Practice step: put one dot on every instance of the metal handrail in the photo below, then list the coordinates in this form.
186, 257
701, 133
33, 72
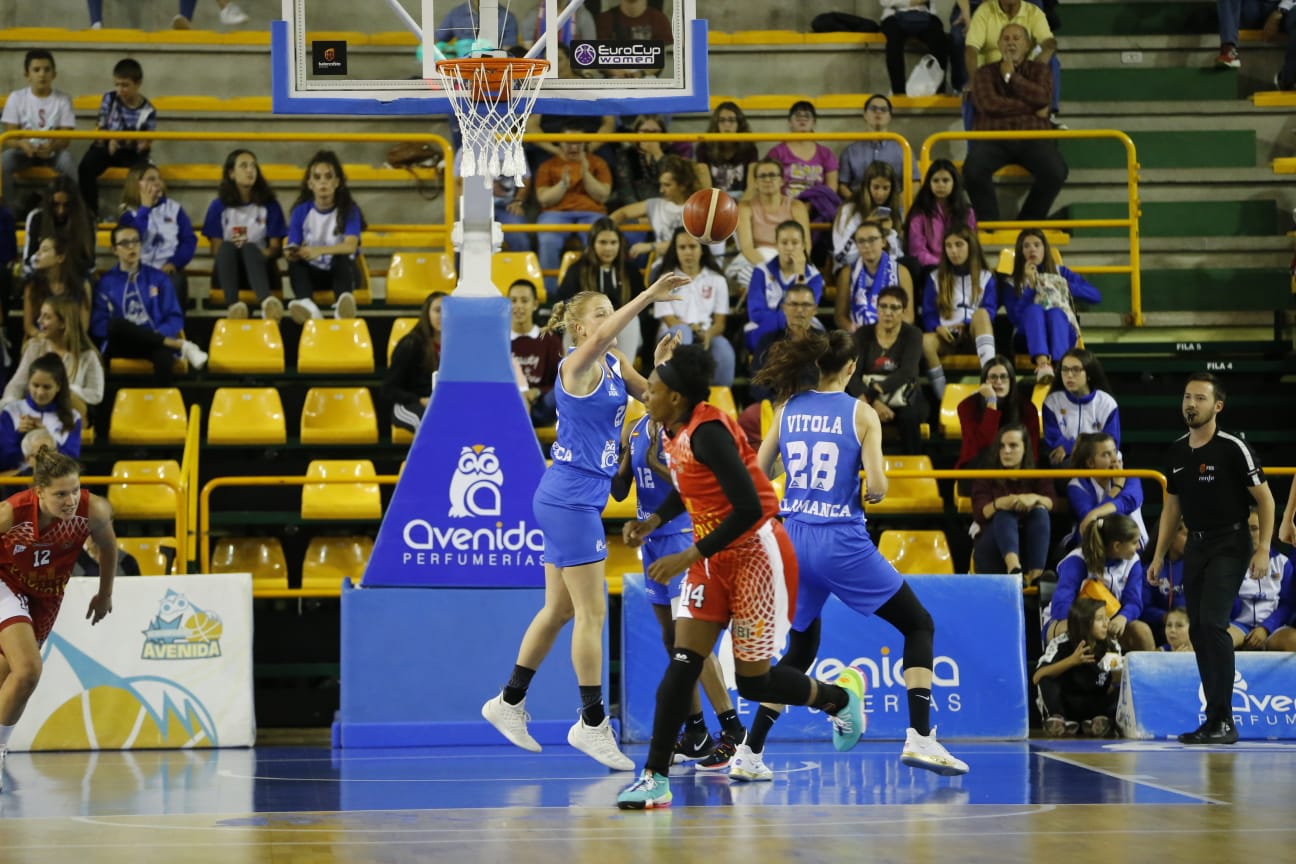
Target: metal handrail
176, 486
186, 551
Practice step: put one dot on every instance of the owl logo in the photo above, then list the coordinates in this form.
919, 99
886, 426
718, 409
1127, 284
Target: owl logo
475, 486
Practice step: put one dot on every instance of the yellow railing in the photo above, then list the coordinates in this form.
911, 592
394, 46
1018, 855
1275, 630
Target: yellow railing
1131, 221
185, 545
1023, 474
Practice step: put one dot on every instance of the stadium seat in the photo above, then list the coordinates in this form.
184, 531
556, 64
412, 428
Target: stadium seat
568, 259
119, 366
263, 557
509, 267
722, 398
401, 436
1008, 258
1037, 396
766, 417
623, 510
331, 559
917, 552
251, 346
341, 500
333, 346
546, 435
954, 394
134, 500
339, 415
621, 561
148, 416
154, 555
399, 328
246, 415
412, 276
919, 495
634, 410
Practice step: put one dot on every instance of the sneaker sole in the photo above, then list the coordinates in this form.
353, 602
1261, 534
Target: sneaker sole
913, 760
626, 765
750, 777
721, 766
531, 746
645, 805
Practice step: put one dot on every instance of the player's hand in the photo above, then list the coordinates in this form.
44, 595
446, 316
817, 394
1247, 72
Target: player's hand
665, 348
1260, 564
1083, 654
100, 605
663, 290
1287, 532
663, 570
1255, 640
634, 531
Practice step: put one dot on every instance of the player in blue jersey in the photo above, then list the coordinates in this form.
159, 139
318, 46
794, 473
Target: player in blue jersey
594, 380
643, 463
824, 436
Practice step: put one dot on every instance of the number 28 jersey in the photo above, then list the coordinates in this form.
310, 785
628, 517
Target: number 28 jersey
33, 561
821, 456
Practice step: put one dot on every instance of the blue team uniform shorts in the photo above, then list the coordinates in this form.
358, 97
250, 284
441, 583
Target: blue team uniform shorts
656, 547
568, 507
839, 558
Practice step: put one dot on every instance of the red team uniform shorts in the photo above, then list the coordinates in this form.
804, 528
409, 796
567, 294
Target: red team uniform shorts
38, 610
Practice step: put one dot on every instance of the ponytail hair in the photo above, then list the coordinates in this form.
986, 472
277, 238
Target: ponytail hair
788, 363
566, 311
51, 465
1112, 528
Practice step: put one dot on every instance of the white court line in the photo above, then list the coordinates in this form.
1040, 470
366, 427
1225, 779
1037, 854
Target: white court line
225, 772
1136, 779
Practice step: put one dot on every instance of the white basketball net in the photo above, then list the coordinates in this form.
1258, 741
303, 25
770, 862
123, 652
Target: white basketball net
492, 101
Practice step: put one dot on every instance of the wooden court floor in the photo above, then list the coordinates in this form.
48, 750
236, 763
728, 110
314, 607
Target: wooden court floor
1042, 802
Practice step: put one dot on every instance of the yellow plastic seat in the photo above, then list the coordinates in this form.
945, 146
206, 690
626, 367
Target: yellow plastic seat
330, 345
263, 557
722, 398
339, 415
331, 559
546, 435
509, 267
1037, 397
634, 410
917, 552
246, 415
623, 510
155, 555
766, 417
118, 366
1008, 257
954, 394
341, 500
622, 561
148, 416
412, 276
400, 327
251, 346
568, 259
135, 500
401, 436
904, 495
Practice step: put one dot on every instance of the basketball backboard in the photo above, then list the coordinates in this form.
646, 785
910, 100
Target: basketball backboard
378, 56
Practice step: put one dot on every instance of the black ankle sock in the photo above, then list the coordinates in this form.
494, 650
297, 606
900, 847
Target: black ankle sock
831, 698
696, 724
592, 711
516, 688
761, 726
730, 723
920, 710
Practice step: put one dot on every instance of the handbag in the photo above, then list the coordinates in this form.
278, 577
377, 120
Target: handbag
926, 78
897, 398
413, 154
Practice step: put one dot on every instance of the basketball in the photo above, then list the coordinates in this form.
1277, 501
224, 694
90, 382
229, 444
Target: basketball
710, 215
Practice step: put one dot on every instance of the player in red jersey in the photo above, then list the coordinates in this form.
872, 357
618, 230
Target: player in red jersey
42, 530
741, 572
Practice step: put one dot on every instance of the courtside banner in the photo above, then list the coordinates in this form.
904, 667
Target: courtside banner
170, 667
1161, 695
979, 675
461, 514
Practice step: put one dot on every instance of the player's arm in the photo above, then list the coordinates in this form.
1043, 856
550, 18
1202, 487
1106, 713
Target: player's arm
622, 479
1265, 508
715, 448
1287, 531
869, 430
768, 455
1169, 527
105, 540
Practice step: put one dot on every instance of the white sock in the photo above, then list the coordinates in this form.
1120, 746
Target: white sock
936, 375
985, 348
5, 732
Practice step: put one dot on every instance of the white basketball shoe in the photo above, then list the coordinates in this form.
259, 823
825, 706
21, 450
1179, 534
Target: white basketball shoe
598, 743
748, 766
924, 751
511, 721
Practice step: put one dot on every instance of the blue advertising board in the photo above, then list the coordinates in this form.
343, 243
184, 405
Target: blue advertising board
979, 674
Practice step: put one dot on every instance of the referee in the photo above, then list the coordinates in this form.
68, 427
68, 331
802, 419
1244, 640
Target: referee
1212, 479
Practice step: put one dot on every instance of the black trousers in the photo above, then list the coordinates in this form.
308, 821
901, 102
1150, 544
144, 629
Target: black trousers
128, 339
1040, 157
340, 278
899, 29
94, 163
1074, 705
1214, 567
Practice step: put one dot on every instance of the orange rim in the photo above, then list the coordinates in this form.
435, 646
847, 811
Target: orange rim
498, 72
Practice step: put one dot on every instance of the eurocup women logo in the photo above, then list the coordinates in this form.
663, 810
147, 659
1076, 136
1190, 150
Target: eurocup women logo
475, 486
584, 55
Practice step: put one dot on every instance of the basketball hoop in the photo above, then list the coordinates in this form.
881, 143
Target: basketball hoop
492, 97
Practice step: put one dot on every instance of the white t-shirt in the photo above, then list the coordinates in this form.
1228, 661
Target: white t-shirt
664, 217
34, 113
700, 300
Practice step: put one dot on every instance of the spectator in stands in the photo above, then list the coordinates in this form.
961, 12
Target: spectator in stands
1105, 567
982, 48
123, 109
571, 189
32, 443
1177, 637
164, 226
48, 405
998, 403
886, 374
604, 268
1078, 402
636, 21
62, 213
53, 277
1012, 95
601, 124
1093, 498
63, 334
1013, 514
859, 155
579, 26
1281, 20
245, 226
323, 240
87, 563
878, 190
1263, 605
1040, 298
230, 13
38, 107
799, 310
939, 207
903, 20
703, 305
729, 162
537, 353
461, 22
136, 313
760, 213
411, 373
1079, 674
806, 164
1235, 15
958, 303
1165, 594
639, 164
770, 281
8, 251
677, 180
859, 284
961, 13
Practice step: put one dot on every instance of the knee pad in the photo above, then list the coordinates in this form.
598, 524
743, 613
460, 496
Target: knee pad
753, 688
683, 671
